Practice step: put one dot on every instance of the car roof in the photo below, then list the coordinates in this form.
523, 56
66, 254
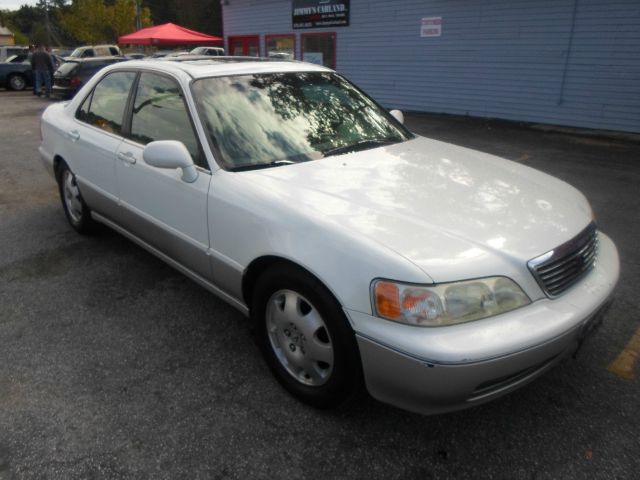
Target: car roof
108, 58
198, 66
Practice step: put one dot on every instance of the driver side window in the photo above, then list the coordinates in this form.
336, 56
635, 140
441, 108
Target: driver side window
160, 113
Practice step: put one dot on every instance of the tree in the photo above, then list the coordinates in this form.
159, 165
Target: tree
201, 15
86, 20
123, 17
6, 20
95, 21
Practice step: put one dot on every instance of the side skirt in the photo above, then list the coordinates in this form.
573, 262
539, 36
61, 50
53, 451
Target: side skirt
171, 262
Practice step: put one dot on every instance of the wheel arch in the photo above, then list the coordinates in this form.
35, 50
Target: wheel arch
57, 164
261, 264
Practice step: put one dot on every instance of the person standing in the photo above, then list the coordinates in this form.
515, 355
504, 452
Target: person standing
53, 65
41, 66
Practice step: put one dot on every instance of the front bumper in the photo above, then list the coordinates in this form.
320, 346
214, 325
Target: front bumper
435, 370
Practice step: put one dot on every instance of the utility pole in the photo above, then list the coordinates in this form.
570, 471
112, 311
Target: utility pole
138, 21
47, 23
138, 16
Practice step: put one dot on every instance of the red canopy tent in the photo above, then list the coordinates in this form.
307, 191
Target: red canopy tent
168, 34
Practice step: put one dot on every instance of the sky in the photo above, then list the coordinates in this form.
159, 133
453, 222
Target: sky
15, 4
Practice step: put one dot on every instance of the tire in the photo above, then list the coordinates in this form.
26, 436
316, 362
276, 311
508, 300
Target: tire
77, 213
17, 82
305, 337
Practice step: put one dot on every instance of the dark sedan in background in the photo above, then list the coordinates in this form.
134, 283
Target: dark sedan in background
74, 73
15, 73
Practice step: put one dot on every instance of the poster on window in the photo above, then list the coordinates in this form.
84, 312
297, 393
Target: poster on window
431, 27
320, 13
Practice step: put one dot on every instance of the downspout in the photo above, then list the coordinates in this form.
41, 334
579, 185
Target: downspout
568, 53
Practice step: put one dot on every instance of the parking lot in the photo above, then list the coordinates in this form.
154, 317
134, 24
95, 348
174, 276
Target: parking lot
113, 365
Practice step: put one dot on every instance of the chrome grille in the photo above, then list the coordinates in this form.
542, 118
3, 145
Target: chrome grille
562, 267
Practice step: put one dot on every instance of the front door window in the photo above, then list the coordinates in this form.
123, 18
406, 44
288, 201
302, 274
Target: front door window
159, 113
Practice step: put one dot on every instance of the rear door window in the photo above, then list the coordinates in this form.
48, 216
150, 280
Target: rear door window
105, 107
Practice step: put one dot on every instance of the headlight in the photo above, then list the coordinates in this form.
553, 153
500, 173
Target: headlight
446, 303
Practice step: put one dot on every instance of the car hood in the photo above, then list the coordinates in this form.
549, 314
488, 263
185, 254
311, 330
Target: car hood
437, 204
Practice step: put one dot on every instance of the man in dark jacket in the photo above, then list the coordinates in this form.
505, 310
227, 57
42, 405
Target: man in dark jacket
41, 64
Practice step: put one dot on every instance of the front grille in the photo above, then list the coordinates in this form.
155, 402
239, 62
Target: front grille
562, 267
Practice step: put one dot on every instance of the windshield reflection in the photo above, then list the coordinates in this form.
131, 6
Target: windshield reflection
263, 120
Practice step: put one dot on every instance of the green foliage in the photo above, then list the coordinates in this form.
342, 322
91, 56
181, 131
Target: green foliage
201, 15
103, 21
85, 20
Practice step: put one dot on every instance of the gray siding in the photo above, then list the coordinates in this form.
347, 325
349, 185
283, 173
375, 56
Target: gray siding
512, 59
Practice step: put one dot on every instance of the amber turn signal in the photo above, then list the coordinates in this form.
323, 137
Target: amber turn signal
387, 297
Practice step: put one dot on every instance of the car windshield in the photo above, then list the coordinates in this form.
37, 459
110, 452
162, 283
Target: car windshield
263, 120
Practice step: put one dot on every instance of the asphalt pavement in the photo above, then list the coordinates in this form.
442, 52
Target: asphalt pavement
113, 365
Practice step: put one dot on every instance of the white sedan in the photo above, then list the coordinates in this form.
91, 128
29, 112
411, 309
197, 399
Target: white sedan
435, 276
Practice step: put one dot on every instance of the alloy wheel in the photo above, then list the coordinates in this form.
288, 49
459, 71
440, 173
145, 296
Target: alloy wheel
299, 338
72, 197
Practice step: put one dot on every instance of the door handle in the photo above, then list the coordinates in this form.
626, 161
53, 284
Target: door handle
73, 135
127, 157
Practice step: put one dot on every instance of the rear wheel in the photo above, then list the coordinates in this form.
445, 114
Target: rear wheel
17, 82
76, 211
305, 337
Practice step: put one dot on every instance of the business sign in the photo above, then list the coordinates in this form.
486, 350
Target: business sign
431, 27
320, 13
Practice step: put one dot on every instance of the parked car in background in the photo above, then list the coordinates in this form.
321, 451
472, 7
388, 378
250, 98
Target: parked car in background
280, 55
62, 51
160, 54
134, 56
74, 73
179, 53
437, 276
19, 76
211, 51
16, 73
8, 51
96, 51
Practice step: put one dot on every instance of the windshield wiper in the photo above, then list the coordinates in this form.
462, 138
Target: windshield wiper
257, 166
358, 146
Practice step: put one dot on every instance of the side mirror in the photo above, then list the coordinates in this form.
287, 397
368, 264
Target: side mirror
171, 154
398, 115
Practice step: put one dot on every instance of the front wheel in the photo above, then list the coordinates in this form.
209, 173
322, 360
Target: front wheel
76, 211
305, 337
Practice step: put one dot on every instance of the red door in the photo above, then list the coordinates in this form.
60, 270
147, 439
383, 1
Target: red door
245, 46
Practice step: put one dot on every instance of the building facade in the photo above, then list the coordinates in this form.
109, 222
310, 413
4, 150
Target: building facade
563, 62
6, 37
